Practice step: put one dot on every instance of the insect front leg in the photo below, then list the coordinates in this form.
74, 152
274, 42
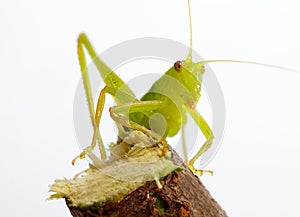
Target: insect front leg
205, 129
118, 113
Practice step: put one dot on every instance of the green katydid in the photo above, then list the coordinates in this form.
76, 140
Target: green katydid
183, 81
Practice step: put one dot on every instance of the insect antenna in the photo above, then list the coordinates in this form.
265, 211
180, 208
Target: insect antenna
189, 57
249, 62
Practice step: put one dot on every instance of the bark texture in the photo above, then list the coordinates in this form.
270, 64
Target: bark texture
182, 195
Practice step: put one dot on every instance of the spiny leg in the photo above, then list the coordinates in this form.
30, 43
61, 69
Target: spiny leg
109, 77
87, 87
116, 113
99, 110
95, 135
101, 101
185, 157
117, 94
203, 126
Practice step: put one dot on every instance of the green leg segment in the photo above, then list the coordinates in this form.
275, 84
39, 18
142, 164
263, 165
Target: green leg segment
117, 114
183, 142
87, 87
203, 126
109, 77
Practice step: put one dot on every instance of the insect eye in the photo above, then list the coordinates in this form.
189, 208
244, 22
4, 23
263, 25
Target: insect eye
178, 66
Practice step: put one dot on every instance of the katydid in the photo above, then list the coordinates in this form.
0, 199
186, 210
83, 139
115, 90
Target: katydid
172, 96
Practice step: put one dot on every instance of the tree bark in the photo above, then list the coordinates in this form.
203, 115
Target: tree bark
182, 195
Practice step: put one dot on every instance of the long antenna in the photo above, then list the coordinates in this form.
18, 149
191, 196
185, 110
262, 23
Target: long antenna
249, 62
191, 32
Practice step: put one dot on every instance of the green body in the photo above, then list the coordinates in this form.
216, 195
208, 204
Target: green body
160, 113
178, 89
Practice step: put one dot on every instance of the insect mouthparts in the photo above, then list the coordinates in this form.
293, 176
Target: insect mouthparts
178, 65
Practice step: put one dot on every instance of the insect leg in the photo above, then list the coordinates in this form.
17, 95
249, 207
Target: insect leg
203, 126
87, 87
96, 128
185, 157
117, 114
118, 95
110, 77
100, 105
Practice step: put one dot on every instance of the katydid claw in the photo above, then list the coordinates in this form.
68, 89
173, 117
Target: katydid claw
199, 172
80, 156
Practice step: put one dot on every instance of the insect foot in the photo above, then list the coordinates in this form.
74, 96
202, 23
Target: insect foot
199, 172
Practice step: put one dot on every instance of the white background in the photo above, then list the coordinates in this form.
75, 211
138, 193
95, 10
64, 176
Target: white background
257, 167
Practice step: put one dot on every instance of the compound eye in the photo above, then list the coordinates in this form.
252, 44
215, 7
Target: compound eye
178, 66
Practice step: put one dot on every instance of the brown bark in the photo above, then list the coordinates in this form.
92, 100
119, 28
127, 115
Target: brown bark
182, 195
